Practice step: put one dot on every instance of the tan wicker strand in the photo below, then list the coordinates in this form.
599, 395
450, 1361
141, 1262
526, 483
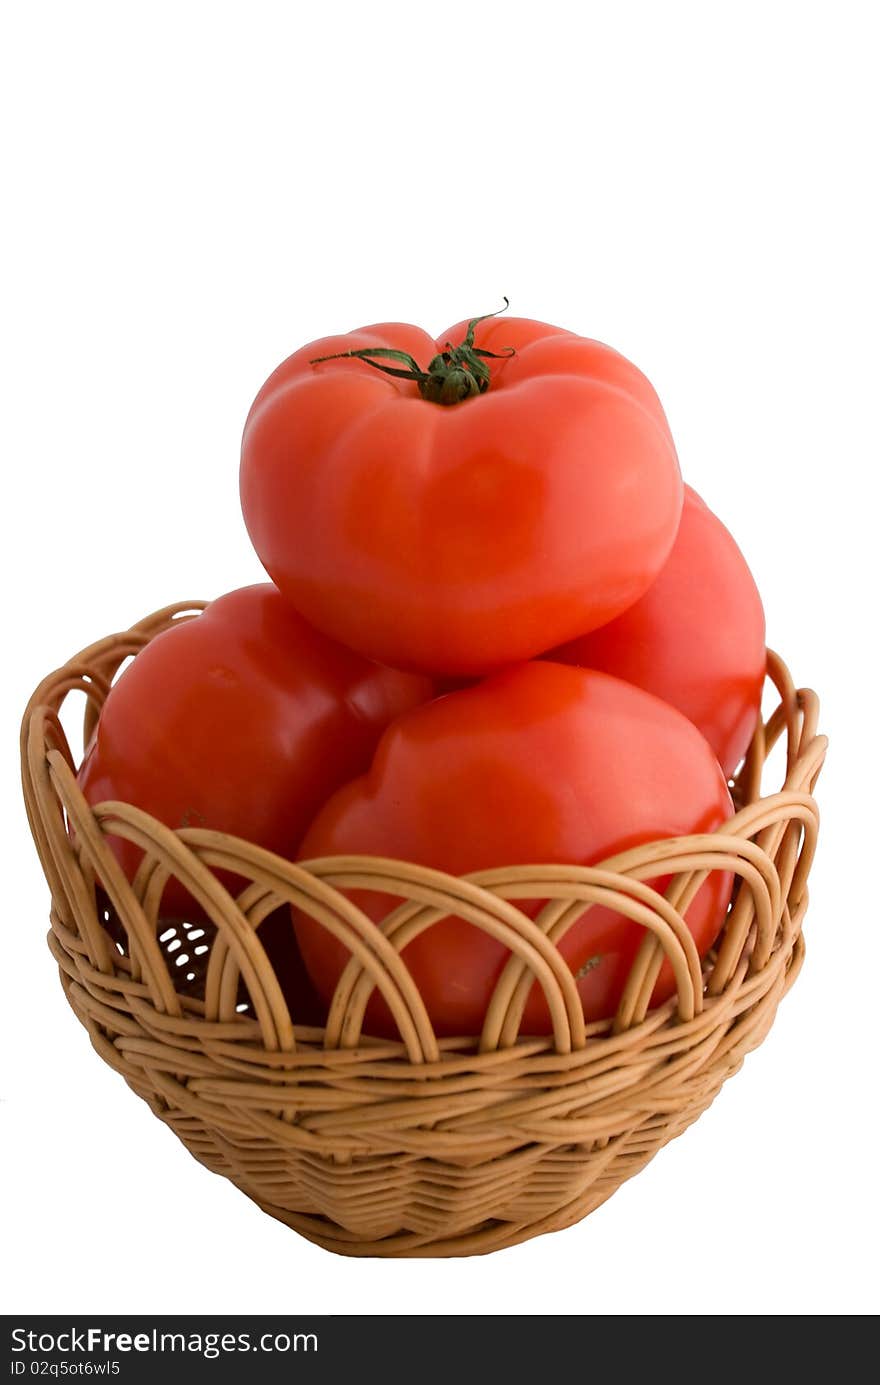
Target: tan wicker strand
418, 1146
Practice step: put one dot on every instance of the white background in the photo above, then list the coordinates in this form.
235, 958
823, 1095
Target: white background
192, 190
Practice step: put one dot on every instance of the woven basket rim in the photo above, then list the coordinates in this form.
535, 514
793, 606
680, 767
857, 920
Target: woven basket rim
46, 757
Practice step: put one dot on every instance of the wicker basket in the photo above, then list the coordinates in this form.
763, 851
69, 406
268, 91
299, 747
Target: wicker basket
417, 1147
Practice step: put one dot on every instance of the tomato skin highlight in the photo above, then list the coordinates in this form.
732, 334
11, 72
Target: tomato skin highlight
696, 638
243, 720
539, 764
458, 540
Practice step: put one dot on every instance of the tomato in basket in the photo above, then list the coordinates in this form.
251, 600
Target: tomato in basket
540, 764
458, 505
243, 720
696, 638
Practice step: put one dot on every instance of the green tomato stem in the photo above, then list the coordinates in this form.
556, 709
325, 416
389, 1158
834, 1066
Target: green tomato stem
455, 374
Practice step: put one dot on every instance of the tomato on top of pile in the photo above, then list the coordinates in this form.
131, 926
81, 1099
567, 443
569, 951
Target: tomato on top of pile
499, 512
519, 490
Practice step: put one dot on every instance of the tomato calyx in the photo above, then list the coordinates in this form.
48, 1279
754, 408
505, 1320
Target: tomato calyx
455, 374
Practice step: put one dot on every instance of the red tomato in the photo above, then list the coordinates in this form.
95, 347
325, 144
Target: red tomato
244, 720
303, 1002
696, 638
459, 539
540, 764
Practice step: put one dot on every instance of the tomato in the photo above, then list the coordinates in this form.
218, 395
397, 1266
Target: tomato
541, 763
303, 1001
462, 517
244, 720
696, 638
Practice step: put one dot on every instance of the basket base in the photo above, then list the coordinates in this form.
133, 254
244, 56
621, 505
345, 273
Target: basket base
604, 1172
493, 1236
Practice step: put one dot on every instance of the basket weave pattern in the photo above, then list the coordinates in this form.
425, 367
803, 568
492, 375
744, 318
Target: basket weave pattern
416, 1147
